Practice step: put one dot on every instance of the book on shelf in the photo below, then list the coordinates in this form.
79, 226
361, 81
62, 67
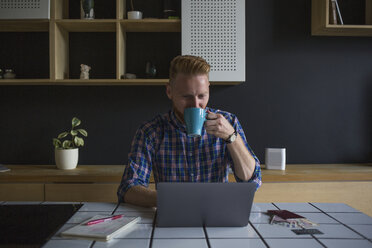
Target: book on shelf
335, 16
338, 12
332, 12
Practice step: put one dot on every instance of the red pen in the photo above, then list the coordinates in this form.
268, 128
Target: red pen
114, 217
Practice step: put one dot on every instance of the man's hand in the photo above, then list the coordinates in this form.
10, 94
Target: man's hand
217, 125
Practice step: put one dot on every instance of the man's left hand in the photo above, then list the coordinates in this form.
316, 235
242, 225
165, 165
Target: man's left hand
217, 125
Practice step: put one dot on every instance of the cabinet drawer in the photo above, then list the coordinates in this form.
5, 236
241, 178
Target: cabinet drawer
80, 192
21, 192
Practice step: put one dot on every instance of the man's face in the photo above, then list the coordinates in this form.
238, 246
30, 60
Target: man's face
188, 91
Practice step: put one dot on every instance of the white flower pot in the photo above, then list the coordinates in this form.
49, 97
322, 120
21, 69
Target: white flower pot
134, 15
66, 159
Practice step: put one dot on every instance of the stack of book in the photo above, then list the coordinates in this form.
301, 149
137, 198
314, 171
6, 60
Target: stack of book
289, 219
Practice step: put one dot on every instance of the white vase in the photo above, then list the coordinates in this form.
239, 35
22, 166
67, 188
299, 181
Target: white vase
134, 15
66, 159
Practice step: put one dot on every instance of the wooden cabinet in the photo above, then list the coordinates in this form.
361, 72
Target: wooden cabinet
347, 183
47, 183
320, 21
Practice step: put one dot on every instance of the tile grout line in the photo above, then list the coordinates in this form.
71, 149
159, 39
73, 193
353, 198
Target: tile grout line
206, 236
340, 222
153, 228
93, 243
259, 234
312, 235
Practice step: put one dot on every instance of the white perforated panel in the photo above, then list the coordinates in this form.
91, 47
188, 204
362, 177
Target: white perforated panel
215, 30
24, 9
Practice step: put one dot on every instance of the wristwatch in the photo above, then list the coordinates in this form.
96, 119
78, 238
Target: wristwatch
232, 137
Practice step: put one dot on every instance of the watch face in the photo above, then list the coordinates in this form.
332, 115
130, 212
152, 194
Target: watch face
233, 137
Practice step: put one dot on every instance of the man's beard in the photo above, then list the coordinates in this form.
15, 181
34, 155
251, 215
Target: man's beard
178, 114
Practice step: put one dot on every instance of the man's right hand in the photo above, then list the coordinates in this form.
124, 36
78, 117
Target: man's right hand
141, 196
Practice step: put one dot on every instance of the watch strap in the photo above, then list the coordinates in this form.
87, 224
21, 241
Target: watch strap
229, 140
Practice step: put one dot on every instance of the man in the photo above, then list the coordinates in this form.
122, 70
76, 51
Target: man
163, 147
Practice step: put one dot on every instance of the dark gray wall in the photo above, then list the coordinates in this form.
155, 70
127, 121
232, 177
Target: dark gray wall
309, 94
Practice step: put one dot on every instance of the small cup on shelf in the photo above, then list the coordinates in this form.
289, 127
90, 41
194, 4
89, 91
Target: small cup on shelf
134, 15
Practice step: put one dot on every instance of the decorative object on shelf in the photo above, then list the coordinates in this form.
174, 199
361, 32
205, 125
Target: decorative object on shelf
84, 71
9, 74
275, 158
87, 9
67, 151
169, 9
133, 14
150, 70
129, 76
1, 74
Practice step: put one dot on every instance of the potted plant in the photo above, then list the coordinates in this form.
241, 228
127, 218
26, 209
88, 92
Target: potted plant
133, 14
67, 150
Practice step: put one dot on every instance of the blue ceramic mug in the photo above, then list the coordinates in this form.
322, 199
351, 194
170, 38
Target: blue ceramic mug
194, 119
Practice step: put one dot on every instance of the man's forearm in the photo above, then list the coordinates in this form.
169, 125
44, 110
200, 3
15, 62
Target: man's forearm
141, 196
244, 163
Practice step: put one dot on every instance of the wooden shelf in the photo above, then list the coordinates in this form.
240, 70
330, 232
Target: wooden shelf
24, 25
320, 22
134, 82
24, 81
87, 25
151, 25
113, 173
92, 82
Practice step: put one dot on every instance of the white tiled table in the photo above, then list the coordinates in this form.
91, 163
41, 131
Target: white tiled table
342, 225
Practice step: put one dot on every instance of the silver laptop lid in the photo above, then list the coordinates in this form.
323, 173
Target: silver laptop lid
204, 204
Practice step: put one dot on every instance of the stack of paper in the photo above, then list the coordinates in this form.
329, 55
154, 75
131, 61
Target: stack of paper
289, 219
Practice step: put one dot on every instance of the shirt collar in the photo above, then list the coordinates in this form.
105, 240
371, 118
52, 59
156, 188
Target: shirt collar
176, 122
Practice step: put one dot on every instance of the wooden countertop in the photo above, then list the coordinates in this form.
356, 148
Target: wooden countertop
113, 173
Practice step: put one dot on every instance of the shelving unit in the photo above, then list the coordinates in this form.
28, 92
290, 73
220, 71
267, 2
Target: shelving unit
59, 28
321, 26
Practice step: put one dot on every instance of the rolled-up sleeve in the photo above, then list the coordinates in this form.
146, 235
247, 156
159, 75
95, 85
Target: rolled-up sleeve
256, 176
138, 169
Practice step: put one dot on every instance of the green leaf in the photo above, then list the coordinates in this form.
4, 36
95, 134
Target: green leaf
75, 122
62, 135
66, 144
73, 132
78, 141
83, 132
56, 143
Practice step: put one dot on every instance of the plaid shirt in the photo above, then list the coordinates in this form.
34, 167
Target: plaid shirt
163, 147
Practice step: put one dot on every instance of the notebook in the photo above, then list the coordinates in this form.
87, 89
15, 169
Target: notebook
102, 231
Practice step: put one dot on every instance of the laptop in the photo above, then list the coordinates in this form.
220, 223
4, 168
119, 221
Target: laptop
204, 204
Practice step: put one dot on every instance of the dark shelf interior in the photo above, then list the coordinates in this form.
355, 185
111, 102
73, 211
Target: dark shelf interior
157, 48
26, 53
103, 9
98, 50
